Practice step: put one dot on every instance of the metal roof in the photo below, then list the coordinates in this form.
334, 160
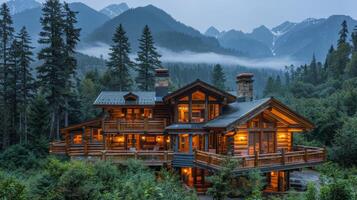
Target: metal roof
117, 98
185, 126
234, 112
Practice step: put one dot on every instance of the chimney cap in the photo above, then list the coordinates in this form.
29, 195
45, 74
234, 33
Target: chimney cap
245, 75
162, 72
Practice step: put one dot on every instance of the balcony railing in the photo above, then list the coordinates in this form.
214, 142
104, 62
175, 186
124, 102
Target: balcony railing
97, 152
303, 155
123, 125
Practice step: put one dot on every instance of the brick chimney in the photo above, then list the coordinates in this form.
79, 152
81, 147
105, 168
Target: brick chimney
162, 81
245, 87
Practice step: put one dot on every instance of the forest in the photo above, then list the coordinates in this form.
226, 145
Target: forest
36, 102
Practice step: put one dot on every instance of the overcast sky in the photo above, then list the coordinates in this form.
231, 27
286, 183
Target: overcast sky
240, 14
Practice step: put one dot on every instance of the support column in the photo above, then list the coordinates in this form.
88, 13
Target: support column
190, 142
176, 145
206, 141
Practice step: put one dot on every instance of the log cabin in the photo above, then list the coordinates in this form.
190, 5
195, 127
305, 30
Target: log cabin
193, 130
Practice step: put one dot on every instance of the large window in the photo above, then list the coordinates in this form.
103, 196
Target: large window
198, 113
97, 135
77, 138
183, 113
203, 108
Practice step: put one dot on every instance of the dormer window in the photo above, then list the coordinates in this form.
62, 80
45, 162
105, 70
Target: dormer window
131, 98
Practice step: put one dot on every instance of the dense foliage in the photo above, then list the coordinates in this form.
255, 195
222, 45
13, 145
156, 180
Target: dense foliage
326, 94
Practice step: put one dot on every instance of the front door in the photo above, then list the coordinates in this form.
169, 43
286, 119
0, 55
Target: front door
268, 142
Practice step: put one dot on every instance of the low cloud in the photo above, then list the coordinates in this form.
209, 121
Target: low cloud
102, 50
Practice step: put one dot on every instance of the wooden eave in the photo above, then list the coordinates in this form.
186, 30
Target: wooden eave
93, 122
274, 103
198, 83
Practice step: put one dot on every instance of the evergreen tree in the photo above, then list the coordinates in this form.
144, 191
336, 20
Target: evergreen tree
313, 71
269, 87
119, 62
6, 37
148, 61
52, 73
338, 59
343, 33
25, 81
218, 77
72, 35
39, 118
352, 65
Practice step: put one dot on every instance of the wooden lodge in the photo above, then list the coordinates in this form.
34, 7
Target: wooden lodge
193, 130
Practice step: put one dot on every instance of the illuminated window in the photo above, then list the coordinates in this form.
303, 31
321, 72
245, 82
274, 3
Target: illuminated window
198, 113
213, 111
183, 113
198, 96
147, 113
210, 98
118, 141
77, 138
97, 135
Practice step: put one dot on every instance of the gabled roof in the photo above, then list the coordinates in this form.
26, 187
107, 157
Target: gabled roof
241, 112
118, 98
202, 84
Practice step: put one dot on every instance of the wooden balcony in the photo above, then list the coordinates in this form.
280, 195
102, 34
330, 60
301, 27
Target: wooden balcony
132, 126
302, 157
97, 152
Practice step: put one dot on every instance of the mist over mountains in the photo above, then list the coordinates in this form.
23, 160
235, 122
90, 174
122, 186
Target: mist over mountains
290, 42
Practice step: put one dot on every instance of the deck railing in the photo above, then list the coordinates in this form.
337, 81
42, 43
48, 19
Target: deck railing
301, 156
123, 125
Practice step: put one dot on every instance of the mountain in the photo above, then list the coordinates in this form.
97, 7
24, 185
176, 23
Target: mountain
283, 28
212, 32
114, 10
17, 6
311, 36
244, 43
168, 33
88, 19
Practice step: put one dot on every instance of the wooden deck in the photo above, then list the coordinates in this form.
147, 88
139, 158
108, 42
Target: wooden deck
302, 157
97, 152
123, 125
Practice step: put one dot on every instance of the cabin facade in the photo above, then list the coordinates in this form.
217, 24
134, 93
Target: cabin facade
192, 130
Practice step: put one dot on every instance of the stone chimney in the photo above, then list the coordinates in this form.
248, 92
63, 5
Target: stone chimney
162, 81
245, 87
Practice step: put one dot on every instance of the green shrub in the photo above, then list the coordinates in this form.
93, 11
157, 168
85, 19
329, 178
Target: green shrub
18, 157
11, 188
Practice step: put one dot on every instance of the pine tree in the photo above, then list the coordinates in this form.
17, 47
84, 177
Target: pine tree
119, 62
72, 35
218, 77
39, 118
6, 37
343, 34
148, 61
52, 73
25, 81
351, 68
313, 71
269, 87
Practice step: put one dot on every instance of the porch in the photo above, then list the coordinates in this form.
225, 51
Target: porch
300, 156
135, 125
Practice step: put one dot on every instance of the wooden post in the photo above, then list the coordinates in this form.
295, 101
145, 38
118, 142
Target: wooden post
104, 157
206, 141
256, 159
67, 139
195, 154
136, 155
209, 158
283, 156
166, 158
305, 154
85, 140
243, 162
146, 125
190, 142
